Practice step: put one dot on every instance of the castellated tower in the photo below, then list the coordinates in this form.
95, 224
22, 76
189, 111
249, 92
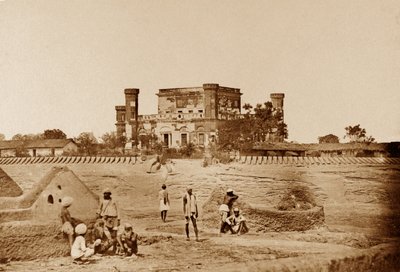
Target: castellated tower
120, 117
131, 116
277, 104
277, 100
210, 100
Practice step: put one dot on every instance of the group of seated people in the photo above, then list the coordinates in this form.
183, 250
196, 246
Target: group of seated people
107, 236
98, 238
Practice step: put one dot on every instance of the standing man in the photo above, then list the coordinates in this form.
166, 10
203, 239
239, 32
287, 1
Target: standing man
191, 212
164, 202
109, 212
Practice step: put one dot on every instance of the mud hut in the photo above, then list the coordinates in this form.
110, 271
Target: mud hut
32, 220
43, 202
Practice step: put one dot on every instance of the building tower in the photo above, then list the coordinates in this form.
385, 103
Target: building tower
120, 118
210, 100
277, 104
277, 100
131, 117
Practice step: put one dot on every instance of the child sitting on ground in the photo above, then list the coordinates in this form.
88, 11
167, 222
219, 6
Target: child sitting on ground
128, 240
79, 251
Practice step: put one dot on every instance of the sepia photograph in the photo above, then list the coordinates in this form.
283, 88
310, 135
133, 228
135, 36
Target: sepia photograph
225, 135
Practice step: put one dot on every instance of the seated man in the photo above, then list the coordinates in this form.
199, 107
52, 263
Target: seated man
79, 250
237, 222
128, 240
98, 233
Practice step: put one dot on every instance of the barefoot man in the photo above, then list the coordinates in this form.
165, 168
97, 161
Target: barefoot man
191, 212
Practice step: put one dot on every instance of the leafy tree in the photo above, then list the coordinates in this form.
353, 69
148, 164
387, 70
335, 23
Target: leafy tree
54, 134
148, 140
112, 141
2, 137
356, 134
328, 139
26, 137
87, 143
240, 132
247, 107
21, 151
268, 121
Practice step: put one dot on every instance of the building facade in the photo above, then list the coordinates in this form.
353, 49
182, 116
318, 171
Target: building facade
184, 114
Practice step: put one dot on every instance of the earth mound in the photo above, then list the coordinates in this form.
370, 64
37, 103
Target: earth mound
291, 214
8, 187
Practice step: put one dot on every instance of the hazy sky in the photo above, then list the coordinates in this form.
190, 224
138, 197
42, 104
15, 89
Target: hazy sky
65, 64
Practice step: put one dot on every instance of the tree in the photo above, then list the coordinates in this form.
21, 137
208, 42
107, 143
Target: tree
328, 139
112, 141
356, 134
54, 134
21, 150
87, 143
26, 137
241, 132
2, 137
148, 140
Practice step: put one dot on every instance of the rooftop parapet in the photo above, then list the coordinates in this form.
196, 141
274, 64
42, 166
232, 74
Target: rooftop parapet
120, 108
131, 91
171, 116
210, 86
277, 95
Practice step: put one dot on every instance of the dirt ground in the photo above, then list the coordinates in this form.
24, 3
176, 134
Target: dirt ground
361, 205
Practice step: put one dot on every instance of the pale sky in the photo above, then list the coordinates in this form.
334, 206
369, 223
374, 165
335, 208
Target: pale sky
65, 64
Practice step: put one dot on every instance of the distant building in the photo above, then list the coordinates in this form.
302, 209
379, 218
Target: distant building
36, 148
184, 114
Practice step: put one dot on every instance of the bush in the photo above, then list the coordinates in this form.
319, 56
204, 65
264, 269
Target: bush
188, 150
222, 157
297, 197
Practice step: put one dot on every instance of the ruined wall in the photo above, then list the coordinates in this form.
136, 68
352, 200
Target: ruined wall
180, 99
229, 102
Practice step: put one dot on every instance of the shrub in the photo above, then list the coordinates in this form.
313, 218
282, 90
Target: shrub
297, 197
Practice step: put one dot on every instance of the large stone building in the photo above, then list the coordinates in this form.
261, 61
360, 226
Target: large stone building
184, 114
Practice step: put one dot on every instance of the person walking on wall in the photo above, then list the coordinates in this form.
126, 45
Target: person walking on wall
164, 202
191, 212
